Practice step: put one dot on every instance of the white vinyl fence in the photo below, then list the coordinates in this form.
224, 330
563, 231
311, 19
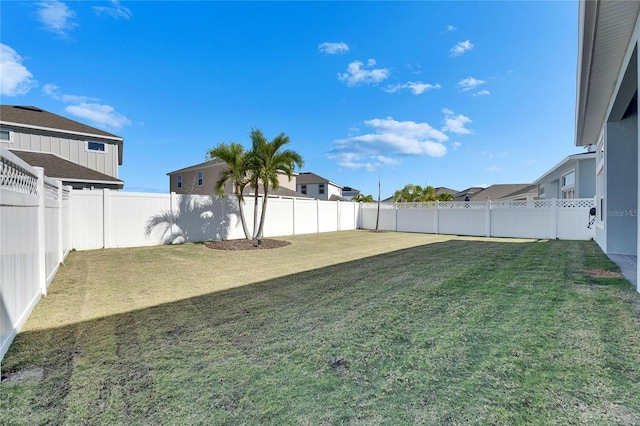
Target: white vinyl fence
546, 219
34, 239
107, 219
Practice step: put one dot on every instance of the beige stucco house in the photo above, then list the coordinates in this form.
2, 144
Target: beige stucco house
80, 156
200, 179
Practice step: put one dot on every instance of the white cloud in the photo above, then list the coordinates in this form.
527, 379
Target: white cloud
482, 93
56, 17
117, 11
54, 91
469, 83
99, 114
451, 28
493, 169
456, 123
355, 161
16, 78
387, 139
333, 48
357, 73
416, 87
456, 145
460, 48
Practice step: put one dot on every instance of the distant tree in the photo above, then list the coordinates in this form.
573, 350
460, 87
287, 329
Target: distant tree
445, 197
414, 193
237, 171
267, 160
363, 198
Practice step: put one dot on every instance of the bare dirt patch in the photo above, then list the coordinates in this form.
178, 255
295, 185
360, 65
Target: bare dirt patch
247, 244
601, 273
27, 374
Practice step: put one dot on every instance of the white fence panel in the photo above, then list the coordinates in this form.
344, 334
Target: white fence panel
31, 240
128, 215
463, 218
66, 221
279, 219
328, 214
87, 217
573, 218
347, 215
417, 217
306, 216
524, 223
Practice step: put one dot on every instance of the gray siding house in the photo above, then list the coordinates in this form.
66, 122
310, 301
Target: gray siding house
573, 177
76, 154
607, 117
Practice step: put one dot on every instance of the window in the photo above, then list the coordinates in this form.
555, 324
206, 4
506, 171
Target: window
6, 135
569, 179
568, 183
200, 178
303, 189
542, 192
321, 188
179, 181
96, 146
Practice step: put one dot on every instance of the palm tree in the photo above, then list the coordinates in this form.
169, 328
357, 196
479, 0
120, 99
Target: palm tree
363, 198
268, 160
237, 172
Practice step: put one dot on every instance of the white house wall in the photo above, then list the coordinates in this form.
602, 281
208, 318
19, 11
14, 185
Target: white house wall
74, 150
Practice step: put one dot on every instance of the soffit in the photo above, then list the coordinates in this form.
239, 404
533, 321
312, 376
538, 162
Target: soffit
606, 28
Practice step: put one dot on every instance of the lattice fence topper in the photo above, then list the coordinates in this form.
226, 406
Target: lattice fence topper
50, 191
415, 206
576, 203
454, 205
15, 178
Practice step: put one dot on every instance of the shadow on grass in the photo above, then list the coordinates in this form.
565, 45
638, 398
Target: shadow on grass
449, 332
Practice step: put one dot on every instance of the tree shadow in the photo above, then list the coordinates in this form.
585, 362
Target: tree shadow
195, 218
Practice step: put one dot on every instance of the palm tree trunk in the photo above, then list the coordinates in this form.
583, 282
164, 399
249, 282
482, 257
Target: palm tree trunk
255, 211
264, 211
242, 218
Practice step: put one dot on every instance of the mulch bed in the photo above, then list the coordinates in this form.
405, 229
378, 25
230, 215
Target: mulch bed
246, 244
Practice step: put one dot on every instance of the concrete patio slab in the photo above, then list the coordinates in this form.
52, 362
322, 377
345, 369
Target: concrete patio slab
628, 266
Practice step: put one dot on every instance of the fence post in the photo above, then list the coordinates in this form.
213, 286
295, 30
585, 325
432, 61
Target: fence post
358, 213
70, 241
172, 204
293, 213
437, 218
554, 219
106, 215
42, 265
60, 227
317, 216
488, 219
338, 215
396, 218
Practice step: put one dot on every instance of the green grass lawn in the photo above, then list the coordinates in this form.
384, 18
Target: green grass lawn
340, 328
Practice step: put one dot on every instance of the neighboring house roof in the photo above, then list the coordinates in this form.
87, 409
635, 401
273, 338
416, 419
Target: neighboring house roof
469, 191
200, 166
498, 191
606, 28
335, 197
573, 157
56, 167
32, 117
527, 190
442, 190
349, 189
307, 177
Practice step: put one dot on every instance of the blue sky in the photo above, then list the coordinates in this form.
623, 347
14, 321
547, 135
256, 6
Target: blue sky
453, 94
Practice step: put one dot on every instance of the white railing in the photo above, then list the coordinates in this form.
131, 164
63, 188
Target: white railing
35, 238
545, 219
